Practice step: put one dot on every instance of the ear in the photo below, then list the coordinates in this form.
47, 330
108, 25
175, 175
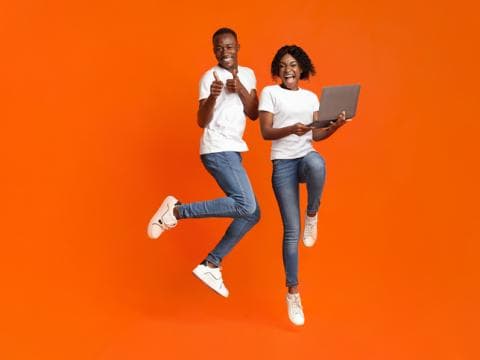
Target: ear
238, 47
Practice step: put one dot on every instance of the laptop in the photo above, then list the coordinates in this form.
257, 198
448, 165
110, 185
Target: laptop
334, 100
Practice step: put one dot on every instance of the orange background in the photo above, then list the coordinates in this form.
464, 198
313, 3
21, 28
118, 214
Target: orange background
98, 125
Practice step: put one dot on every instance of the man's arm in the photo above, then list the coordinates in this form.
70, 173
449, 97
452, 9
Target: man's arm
206, 106
205, 111
249, 100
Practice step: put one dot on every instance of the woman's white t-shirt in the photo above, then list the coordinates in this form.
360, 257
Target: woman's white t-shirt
289, 107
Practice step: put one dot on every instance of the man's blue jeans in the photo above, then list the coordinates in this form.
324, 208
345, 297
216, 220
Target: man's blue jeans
239, 204
286, 177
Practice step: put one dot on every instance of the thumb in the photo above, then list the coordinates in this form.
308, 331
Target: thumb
235, 73
215, 75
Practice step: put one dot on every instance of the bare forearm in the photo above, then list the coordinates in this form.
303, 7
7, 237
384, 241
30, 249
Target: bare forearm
250, 103
322, 134
276, 133
205, 111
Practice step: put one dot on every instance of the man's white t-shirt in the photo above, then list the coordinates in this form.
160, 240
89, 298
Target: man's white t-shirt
289, 107
225, 131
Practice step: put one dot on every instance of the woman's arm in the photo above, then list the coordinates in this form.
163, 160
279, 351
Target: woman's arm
324, 133
271, 133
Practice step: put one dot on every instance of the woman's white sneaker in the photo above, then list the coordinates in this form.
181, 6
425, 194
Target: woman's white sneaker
295, 310
163, 218
212, 277
310, 230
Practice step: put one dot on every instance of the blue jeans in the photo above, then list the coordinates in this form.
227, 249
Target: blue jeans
286, 177
239, 203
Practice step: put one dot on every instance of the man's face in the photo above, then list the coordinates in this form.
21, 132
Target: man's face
225, 48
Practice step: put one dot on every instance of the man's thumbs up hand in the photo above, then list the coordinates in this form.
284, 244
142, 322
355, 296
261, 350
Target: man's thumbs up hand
233, 85
216, 86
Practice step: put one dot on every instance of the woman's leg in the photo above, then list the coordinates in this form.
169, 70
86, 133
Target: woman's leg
286, 188
311, 170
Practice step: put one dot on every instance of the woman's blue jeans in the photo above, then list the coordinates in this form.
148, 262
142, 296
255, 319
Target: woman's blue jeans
286, 177
239, 203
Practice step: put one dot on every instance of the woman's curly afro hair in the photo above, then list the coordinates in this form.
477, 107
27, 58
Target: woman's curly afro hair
299, 54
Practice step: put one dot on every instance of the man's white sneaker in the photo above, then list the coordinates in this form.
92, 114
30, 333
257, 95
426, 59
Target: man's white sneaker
163, 218
310, 230
212, 277
295, 310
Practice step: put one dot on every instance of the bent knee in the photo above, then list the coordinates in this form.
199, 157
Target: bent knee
291, 233
245, 206
318, 164
255, 216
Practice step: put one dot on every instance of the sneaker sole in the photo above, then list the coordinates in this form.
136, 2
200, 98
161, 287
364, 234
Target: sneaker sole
309, 245
156, 216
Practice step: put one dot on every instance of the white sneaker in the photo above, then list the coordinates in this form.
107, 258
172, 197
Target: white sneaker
295, 310
310, 230
212, 277
163, 218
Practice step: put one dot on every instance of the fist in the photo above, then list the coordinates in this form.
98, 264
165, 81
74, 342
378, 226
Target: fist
300, 129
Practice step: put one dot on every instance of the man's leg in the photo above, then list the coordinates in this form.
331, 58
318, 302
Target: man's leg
235, 232
240, 203
230, 175
228, 171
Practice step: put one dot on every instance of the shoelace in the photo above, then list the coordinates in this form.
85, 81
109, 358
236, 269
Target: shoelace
309, 226
297, 306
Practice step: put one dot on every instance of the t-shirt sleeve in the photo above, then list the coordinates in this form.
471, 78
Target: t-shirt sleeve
204, 85
266, 102
248, 79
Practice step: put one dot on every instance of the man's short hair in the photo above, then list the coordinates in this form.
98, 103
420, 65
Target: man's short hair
222, 31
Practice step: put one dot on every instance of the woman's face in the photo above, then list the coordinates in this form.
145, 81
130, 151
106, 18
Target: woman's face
289, 72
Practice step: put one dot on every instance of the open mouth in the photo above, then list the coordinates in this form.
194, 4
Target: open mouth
289, 78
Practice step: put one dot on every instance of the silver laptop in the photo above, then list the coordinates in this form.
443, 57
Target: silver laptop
334, 100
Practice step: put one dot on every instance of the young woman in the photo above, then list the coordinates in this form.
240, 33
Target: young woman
286, 112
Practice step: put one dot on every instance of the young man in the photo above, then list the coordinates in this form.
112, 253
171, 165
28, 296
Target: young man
227, 94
